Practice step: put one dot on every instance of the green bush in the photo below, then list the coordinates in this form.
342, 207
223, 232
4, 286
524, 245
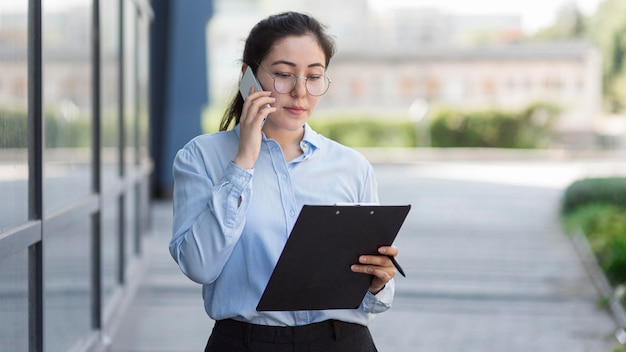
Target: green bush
59, 132
13, 129
598, 207
367, 132
529, 128
604, 226
608, 190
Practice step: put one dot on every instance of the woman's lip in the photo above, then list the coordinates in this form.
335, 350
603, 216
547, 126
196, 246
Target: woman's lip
297, 110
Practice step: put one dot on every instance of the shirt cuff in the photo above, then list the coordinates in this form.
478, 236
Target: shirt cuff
381, 301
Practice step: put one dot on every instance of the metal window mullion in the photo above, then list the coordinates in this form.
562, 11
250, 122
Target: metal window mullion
121, 91
136, 107
121, 144
96, 257
35, 175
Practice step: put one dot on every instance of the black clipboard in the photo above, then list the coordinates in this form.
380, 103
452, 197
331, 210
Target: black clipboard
313, 271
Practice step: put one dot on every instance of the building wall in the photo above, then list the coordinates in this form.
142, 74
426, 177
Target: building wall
74, 168
470, 79
388, 58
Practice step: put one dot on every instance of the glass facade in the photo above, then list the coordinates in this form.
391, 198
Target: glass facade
110, 171
14, 302
13, 116
14, 173
67, 287
67, 103
74, 167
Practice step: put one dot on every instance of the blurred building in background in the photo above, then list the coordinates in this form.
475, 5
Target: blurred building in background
389, 58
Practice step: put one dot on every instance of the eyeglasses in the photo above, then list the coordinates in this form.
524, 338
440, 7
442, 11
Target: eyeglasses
285, 82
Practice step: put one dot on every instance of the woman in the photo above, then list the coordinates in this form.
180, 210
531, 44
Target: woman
238, 192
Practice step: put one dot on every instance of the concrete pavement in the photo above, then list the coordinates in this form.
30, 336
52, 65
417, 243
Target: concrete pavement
488, 267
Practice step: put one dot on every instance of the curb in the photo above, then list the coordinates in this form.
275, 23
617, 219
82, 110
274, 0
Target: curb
583, 248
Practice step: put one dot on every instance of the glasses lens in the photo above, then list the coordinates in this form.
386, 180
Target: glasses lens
284, 83
315, 85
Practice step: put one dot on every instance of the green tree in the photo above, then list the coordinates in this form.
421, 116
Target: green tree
607, 30
570, 23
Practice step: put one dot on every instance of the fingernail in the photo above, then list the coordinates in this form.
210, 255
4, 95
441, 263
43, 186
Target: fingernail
382, 250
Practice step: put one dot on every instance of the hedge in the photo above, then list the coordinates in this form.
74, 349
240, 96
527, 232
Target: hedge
598, 207
530, 127
608, 190
59, 132
367, 132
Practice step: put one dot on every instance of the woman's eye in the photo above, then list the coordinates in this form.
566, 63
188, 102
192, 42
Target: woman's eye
314, 77
283, 75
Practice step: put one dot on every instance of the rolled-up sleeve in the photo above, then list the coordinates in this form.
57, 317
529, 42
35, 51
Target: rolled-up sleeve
381, 301
209, 215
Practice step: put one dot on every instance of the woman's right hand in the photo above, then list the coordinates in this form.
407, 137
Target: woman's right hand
255, 109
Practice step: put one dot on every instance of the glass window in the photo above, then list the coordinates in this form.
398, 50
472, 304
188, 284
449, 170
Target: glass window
109, 249
67, 287
14, 302
67, 96
143, 72
110, 138
130, 83
13, 116
109, 92
130, 221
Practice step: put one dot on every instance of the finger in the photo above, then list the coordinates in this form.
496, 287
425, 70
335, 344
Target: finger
378, 260
384, 273
254, 98
389, 250
257, 107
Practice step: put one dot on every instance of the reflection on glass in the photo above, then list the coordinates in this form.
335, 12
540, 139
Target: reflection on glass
67, 102
67, 287
110, 135
14, 302
109, 249
143, 72
130, 233
130, 84
109, 94
13, 116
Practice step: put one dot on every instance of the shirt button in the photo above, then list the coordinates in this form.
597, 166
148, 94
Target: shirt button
242, 179
283, 176
292, 213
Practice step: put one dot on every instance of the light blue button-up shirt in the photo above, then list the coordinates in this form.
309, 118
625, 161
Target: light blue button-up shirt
230, 224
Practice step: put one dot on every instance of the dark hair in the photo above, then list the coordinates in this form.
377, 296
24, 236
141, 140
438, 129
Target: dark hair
262, 38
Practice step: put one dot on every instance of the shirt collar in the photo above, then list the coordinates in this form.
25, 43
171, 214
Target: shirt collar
311, 137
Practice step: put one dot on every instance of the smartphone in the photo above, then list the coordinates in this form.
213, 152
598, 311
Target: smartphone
248, 81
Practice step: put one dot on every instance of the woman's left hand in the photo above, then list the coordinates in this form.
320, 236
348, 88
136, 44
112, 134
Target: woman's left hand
379, 266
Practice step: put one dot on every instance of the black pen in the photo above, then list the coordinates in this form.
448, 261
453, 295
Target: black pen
395, 263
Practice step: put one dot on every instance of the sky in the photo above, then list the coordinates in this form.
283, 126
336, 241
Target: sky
535, 14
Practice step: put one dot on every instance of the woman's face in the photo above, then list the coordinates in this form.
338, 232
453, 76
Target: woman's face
300, 56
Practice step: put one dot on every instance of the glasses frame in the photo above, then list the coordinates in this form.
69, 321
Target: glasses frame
295, 82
